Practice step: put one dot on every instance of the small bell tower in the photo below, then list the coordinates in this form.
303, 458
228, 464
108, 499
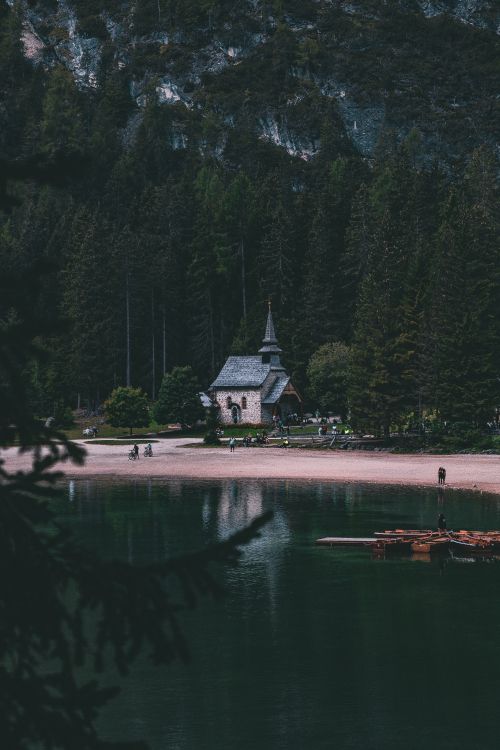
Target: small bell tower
270, 350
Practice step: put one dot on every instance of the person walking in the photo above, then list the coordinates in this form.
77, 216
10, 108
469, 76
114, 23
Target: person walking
440, 475
443, 475
232, 445
136, 450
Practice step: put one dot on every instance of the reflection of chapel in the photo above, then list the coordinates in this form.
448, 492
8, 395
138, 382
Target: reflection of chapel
256, 388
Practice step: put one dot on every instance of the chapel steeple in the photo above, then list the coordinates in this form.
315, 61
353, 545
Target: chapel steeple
270, 350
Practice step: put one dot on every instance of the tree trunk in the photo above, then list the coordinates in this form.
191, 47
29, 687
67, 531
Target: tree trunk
243, 280
164, 342
153, 364
212, 333
127, 306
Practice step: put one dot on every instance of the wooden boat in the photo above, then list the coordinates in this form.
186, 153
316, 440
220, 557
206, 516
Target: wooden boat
473, 543
432, 543
462, 545
396, 545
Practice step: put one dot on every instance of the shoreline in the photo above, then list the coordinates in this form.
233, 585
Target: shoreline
175, 459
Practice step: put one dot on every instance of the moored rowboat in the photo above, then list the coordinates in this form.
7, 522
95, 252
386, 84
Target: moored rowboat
437, 543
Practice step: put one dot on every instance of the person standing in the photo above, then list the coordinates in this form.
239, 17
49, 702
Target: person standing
232, 444
136, 450
440, 475
443, 475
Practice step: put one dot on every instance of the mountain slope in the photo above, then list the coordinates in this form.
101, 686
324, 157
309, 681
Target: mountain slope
281, 71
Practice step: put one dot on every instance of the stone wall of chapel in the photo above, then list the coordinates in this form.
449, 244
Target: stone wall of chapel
252, 414
267, 413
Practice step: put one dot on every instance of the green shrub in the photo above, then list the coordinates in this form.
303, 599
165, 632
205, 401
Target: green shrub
63, 416
212, 423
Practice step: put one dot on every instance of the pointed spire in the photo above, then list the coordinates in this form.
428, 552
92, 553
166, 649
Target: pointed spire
270, 335
270, 350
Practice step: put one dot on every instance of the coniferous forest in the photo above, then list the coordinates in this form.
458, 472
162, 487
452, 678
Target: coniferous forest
163, 256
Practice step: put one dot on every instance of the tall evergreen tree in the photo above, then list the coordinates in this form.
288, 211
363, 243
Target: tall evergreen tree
324, 284
276, 261
62, 126
461, 354
381, 385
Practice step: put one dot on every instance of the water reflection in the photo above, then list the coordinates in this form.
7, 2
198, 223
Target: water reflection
312, 647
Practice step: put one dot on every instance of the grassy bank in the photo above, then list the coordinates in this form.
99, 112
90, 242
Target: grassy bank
133, 441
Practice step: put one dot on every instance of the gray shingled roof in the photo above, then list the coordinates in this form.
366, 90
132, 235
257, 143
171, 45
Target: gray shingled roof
277, 389
239, 372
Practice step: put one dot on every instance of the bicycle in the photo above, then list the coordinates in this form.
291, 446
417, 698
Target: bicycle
131, 455
148, 452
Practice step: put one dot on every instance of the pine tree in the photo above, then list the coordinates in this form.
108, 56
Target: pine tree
208, 274
62, 128
462, 335
240, 215
381, 375
276, 261
324, 284
90, 303
328, 373
18, 94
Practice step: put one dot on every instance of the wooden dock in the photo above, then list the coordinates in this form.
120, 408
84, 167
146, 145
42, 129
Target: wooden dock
348, 541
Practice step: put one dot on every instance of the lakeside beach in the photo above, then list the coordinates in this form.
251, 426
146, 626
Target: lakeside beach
176, 457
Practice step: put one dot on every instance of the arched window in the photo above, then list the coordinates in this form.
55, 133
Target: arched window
229, 402
243, 402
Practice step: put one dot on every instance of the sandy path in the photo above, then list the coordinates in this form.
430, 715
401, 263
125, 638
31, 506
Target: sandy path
173, 458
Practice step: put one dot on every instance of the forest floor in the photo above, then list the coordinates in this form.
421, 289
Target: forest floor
174, 457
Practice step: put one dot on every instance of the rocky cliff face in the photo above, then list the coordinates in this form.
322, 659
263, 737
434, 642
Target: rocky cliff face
290, 73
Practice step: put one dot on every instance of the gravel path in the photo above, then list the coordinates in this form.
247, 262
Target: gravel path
175, 458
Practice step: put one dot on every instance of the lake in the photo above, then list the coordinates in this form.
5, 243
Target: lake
311, 647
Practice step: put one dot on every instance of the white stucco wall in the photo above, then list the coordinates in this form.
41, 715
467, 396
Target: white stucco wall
252, 414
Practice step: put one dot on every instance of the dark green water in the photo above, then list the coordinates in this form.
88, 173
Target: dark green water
312, 648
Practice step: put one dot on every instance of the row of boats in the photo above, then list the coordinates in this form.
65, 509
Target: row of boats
422, 541
427, 541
